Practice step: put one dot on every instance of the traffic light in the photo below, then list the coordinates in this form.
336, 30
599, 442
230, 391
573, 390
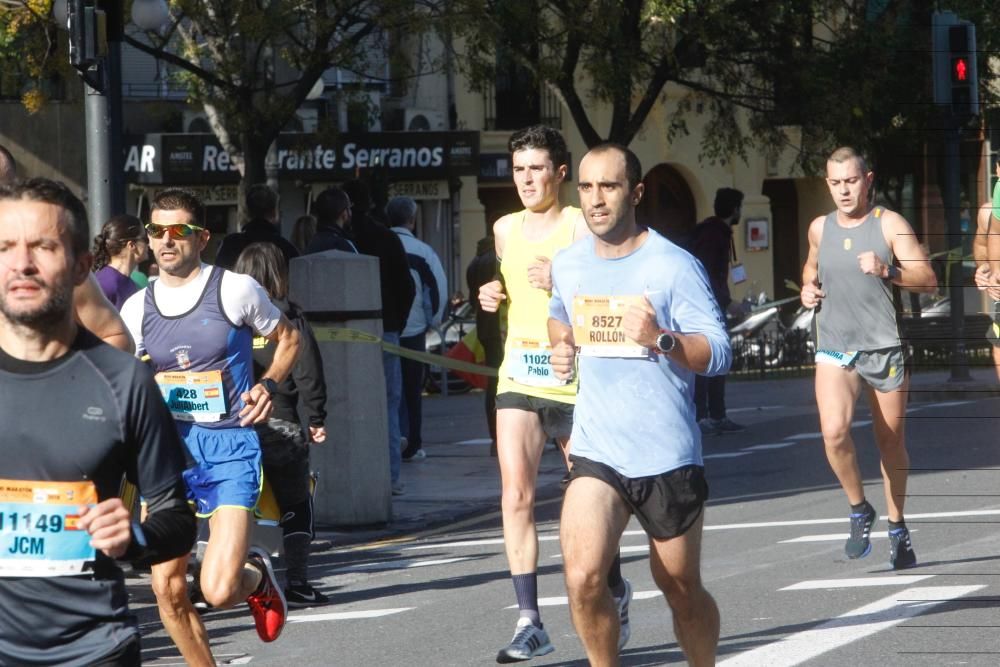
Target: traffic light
956, 80
87, 41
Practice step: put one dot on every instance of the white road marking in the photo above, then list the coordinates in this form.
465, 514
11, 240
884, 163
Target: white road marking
752, 409
641, 548
857, 582
850, 627
811, 522
473, 543
405, 564
474, 441
770, 445
804, 436
833, 537
346, 615
724, 455
562, 601
947, 404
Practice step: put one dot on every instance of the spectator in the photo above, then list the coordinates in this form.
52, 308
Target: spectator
398, 293
483, 269
333, 213
303, 231
118, 249
284, 445
264, 225
431, 294
714, 246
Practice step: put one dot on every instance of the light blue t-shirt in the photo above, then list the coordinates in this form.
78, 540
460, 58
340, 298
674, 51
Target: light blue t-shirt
637, 415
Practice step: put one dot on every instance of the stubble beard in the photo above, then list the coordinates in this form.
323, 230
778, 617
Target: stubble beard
45, 316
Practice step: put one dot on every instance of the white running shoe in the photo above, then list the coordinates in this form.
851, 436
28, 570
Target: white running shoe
529, 642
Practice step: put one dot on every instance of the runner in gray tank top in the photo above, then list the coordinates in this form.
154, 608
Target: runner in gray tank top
854, 254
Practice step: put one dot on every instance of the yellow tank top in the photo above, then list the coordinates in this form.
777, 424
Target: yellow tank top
525, 356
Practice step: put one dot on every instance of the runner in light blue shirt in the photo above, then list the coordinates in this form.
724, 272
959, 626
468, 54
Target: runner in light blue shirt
633, 315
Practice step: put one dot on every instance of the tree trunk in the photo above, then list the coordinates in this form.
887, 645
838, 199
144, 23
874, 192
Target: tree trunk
254, 170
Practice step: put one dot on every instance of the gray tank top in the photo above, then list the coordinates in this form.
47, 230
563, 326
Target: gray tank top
857, 313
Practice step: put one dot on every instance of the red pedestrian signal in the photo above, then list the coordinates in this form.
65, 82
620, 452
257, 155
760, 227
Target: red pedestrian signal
960, 69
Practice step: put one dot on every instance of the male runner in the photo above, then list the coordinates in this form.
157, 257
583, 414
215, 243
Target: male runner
93, 310
532, 404
197, 324
856, 254
63, 525
986, 252
641, 313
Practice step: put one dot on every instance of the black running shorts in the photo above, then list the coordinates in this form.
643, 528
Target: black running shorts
556, 417
666, 505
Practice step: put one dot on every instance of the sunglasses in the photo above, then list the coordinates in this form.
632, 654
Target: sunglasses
178, 231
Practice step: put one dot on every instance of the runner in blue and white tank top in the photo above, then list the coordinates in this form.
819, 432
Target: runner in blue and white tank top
196, 324
856, 254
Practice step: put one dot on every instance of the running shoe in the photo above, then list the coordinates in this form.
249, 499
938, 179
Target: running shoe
626, 629
530, 641
859, 544
901, 554
304, 595
198, 598
727, 425
707, 427
418, 455
267, 603
398, 488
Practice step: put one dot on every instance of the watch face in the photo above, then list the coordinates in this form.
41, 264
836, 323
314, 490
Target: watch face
665, 342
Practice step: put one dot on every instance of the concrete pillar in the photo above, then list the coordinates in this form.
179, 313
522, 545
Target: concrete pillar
341, 290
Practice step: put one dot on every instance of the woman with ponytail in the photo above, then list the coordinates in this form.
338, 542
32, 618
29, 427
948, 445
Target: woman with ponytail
118, 249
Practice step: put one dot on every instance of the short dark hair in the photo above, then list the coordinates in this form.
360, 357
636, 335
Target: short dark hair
845, 153
541, 137
633, 168
265, 263
329, 204
727, 200
179, 199
47, 191
261, 201
115, 235
359, 194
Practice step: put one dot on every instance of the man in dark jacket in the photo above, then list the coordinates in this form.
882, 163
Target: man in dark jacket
713, 245
398, 292
332, 209
264, 226
482, 269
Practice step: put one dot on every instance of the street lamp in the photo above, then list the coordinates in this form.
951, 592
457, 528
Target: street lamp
150, 15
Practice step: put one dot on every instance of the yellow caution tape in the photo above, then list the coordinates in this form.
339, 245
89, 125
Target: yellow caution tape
337, 335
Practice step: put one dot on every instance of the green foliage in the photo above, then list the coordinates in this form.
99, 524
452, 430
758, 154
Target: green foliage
844, 71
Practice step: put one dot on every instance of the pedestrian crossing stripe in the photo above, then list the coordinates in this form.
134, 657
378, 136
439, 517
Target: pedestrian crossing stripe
857, 582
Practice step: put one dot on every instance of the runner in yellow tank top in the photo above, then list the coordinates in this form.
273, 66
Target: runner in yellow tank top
532, 405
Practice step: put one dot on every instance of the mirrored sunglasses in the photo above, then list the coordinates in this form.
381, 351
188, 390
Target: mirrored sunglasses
178, 231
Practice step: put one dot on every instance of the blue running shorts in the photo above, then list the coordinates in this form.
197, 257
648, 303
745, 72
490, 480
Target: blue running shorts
226, 470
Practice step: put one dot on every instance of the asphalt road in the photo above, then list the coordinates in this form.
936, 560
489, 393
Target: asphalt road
773, 559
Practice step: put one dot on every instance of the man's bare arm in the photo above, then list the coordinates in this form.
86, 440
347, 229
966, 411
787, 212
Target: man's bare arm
96, 314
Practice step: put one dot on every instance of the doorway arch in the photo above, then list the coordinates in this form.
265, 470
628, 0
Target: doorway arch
667, 204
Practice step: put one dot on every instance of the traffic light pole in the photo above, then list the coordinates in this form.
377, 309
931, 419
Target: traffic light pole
956, 272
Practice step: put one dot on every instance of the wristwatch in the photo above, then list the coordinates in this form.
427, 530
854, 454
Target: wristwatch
270, 385
665, 342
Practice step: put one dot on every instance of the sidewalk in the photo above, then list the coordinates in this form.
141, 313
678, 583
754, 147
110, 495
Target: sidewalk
459, 479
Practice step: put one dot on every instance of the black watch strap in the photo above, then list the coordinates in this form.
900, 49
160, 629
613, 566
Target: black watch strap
665, 342
270, 385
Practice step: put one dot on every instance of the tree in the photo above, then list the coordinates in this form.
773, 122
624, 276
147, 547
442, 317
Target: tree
843, 71
251, 65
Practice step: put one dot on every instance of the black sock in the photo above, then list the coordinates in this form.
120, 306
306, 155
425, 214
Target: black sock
526, 590
896, 525
861, 508
615, 582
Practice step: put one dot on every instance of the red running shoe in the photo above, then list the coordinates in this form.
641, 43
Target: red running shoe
267, 603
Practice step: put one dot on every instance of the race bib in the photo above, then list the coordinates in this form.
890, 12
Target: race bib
529, 362
842, 359
597, 326
194, 397
39, 528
